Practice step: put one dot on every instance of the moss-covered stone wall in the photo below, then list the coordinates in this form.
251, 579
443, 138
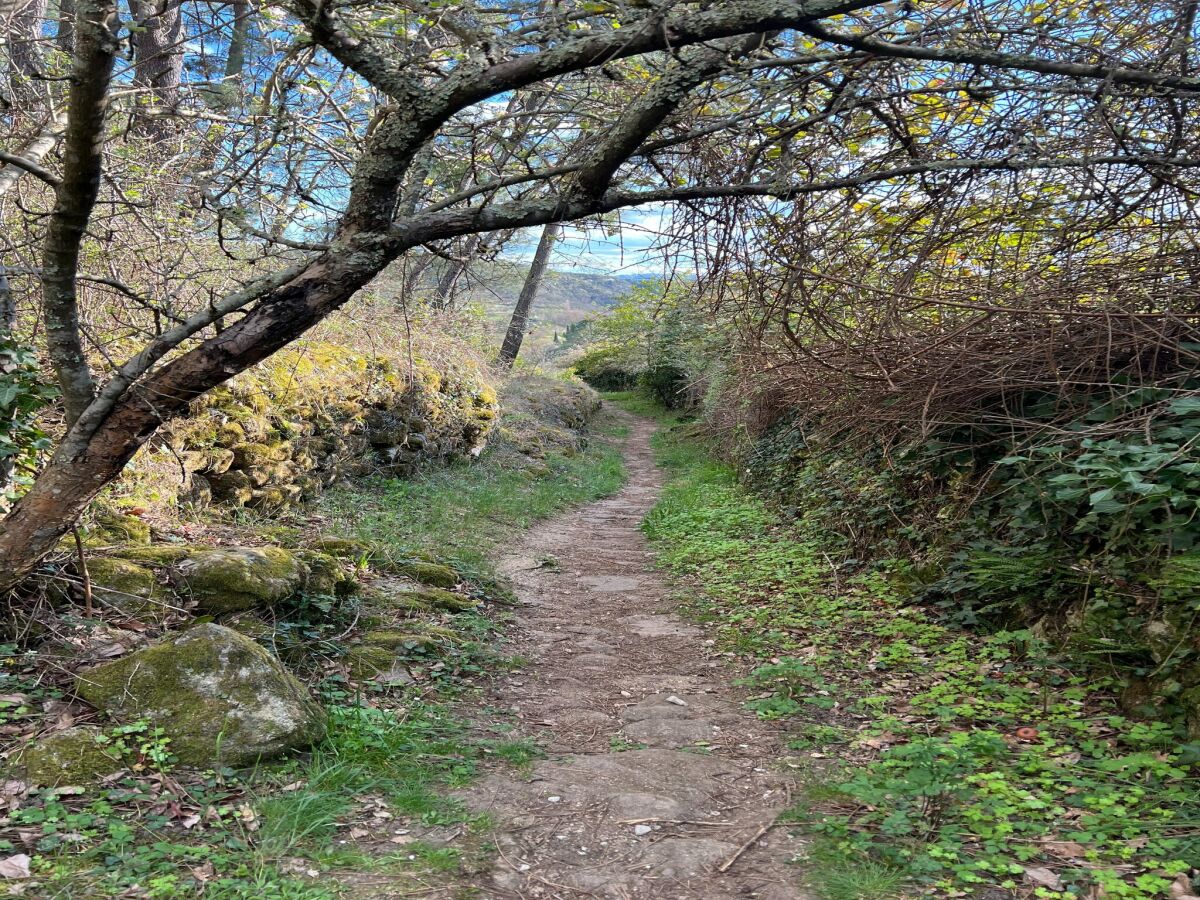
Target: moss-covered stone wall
310, 416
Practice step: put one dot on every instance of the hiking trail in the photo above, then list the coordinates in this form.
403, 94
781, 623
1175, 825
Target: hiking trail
656, 782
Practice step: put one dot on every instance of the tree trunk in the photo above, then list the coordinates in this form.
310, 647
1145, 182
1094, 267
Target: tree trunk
239, 39
75, 197
443, 294
157, 63
64, 35
533, 281
84, 464
24, 24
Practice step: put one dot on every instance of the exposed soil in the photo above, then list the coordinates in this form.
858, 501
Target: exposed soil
657, 784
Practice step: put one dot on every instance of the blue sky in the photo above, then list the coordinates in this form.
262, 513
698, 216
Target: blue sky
627, 250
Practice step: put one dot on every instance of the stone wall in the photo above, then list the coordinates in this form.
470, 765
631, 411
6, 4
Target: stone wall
309, 417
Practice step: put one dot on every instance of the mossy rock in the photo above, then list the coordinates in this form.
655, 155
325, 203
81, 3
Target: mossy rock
118, 528
365, 661
255, 455
232, 579
159, 554
221, 698
230, 433
197, 492
274, 499
210, 461
409, 603
447, 600
326, 575
233, 486
432, 573
126, 586
78, 756
427, 639
345, 548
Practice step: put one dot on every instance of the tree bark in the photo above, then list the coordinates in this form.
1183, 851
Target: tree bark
533, 281
33, 152
75, 196
64, 35
157, 63
239, 39
8, 324
24, 25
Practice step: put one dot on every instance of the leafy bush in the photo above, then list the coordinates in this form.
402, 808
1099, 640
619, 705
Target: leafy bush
1093, 539
606, 369
23, 395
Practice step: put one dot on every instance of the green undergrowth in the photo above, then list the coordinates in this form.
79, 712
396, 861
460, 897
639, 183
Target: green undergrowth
268, 834
468, 511
940, 762
357, 809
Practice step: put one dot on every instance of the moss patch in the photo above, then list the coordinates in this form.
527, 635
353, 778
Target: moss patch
436, 574
427, 639
158, 554
327, 576
447, 600
118, 528
368, 661
125, 586
77, 756
237, 578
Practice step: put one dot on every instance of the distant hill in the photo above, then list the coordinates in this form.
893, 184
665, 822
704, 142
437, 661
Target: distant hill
565, 299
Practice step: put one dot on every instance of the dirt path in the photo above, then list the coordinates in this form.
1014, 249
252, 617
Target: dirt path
657, 783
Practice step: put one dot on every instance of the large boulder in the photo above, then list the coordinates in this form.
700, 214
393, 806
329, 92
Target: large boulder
221, 698
232, 579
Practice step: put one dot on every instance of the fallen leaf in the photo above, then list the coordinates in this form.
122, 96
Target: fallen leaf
15, 866
249, 819
1181, 889
1066, 849
1044, 878
190, 822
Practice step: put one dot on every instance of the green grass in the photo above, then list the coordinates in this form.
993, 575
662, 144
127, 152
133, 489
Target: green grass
969, 757
467, 513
